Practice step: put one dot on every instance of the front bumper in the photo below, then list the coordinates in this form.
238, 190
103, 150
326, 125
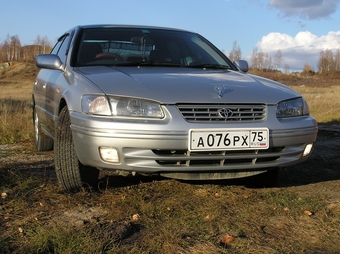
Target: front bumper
151, 147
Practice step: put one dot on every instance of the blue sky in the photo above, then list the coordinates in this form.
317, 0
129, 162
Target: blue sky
299, 28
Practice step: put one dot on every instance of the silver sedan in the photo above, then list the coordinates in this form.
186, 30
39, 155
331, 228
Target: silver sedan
153, 100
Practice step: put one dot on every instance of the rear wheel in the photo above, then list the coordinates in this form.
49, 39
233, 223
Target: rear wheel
71, 174
41, 140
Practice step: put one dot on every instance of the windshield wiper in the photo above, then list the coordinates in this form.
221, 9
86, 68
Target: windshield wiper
210, 66
169, 64
149, 63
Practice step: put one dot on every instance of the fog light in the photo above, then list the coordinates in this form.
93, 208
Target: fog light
109, 154
307, 150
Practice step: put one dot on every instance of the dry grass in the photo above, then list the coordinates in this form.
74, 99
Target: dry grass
322, 92
157, 215
324, 102
16, 121
16, 85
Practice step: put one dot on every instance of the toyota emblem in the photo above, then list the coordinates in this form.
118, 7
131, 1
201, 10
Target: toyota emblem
225, 112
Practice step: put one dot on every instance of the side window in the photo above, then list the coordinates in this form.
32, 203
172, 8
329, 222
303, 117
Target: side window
62, 52
56, 47
61, 47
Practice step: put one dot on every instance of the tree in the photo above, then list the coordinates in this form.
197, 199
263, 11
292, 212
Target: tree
257, 59
267, 62
15, 46
6, 49
277, 59
260, 60
254, 59
326, 61
286, 69
308, 70
235, 53
337, 60
10, 49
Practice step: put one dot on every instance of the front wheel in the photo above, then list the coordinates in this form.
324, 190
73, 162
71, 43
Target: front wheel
71, 174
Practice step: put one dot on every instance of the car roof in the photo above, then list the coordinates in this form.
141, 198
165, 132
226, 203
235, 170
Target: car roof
129, 26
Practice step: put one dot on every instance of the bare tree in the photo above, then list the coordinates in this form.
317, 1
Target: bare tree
337, 60
286, 69
235, 53
12, 50
15, 46
260, 60
43, 45
7, 49
254, 59
267, 62
326, 61
277, 59
46, 45
329, 60
37, 44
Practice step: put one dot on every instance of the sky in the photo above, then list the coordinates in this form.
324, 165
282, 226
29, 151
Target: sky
300, 29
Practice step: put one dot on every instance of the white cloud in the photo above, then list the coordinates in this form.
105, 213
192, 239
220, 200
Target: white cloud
296, 51
306, 9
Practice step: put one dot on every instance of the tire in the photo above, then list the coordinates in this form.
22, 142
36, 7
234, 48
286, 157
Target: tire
42, 142
71, 174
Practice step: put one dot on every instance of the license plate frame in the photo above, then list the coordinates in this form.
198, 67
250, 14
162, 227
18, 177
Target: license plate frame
228, 139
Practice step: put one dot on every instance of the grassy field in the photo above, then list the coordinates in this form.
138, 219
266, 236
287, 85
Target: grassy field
158, 215
16, 85
323, 102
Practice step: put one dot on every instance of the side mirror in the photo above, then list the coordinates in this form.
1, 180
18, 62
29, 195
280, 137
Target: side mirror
242, 65
48, 61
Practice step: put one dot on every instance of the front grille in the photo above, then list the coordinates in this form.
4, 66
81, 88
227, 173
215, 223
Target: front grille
210, 112
218, 158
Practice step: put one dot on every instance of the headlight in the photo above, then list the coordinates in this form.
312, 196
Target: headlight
124, 106
294, 107
96, 105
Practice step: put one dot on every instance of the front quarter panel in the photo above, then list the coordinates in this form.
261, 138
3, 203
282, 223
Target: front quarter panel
71, 87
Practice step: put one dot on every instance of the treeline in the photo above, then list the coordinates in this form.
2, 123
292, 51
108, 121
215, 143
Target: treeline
12, 50
329, 61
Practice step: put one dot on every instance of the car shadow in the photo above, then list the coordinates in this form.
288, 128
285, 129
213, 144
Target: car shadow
321, 166
108, 181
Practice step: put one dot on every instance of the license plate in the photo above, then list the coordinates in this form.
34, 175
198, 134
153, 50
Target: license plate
228, 139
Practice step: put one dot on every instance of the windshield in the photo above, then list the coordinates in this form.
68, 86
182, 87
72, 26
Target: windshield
138, 46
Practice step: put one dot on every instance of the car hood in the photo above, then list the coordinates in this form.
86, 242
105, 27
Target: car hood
170, 85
